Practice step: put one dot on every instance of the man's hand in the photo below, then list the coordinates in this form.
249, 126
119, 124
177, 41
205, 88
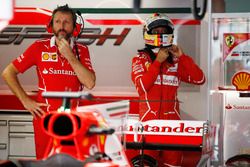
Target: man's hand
85, 76
175, 50
162, 55
33, 107
65, 49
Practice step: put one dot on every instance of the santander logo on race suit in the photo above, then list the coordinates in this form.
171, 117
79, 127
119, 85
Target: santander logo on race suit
167, 80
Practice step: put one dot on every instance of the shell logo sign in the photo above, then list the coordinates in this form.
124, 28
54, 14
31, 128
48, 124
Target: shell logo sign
241, 81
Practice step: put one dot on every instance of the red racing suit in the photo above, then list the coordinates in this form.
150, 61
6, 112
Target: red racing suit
157, 84
54, 74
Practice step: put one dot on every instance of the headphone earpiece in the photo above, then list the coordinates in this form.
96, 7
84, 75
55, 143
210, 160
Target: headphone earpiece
79, 25
49, 27
77, 30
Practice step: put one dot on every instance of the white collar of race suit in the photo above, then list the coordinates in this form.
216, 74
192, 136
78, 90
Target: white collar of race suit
53, 42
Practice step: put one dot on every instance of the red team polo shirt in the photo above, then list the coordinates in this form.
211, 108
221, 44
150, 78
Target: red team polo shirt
53, 70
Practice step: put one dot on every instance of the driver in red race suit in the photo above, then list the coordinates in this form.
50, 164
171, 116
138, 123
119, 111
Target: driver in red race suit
157, 72
61, 65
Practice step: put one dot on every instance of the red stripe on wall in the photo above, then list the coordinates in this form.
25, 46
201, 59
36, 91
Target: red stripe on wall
118, 114
186, 22
39, 16
137, 22
32, 9
27, 18
114, 22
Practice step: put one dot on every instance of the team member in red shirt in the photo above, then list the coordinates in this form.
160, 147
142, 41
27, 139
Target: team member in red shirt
61, 65
157, 71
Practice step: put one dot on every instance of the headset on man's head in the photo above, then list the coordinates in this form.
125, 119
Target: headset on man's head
77, 26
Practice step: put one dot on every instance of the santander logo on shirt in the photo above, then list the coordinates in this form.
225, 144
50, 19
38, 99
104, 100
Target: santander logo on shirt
58, 72
167, 80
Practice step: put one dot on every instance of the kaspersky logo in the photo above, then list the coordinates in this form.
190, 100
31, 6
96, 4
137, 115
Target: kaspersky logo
16, 35
58, 72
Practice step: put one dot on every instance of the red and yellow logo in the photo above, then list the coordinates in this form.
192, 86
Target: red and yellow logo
47, 56
54, 56
241, 81
229, 40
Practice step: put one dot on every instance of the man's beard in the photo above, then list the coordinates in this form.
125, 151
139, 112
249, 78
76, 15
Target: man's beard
65, 35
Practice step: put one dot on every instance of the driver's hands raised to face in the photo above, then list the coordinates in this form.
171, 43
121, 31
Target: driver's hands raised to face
163, 53
175, 50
